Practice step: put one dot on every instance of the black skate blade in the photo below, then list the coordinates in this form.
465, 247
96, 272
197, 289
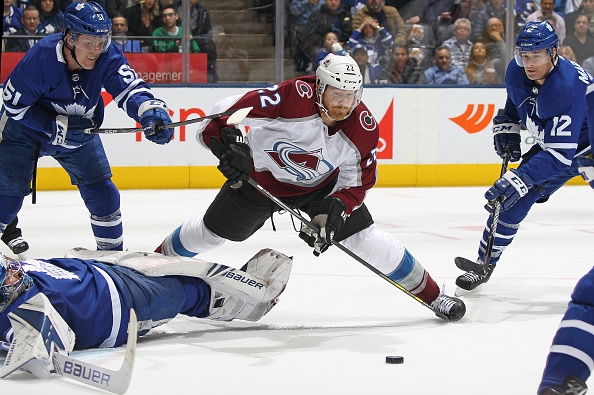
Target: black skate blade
470, 266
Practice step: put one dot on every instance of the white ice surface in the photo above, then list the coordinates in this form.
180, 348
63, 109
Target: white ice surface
337, 321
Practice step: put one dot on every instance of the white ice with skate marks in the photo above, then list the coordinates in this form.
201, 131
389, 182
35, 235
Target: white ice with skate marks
336, 321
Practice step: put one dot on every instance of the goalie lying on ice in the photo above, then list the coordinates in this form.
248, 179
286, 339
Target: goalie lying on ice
92, 292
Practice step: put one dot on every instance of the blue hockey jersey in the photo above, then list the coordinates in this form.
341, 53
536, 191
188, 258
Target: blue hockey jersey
41, 87
554, 114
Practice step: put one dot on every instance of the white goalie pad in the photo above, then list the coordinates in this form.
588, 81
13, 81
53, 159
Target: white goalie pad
39, 331
247, 293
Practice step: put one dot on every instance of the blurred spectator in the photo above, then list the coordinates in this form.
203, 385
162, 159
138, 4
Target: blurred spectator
411, 11
353, 5
480, 69
442, 72
546, 8
30, 24
119, 28
567, 52
523, 9
115, 7
400, 68
329, 40
387, 17
143, 18
459, 45
439, 14
492, 37
586, 7
369, 72
12, 20
300, 12
51, 18
581, 41
492, 9
170, 29
201, 29
589, 65
331, 16
373, 37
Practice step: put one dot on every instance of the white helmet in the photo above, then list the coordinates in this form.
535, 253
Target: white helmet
340, 72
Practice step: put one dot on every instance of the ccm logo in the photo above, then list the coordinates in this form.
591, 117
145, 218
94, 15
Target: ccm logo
475, 118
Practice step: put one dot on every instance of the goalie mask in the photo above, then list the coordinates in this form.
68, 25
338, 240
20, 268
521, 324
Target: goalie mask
13, 281
535, 44
342, 73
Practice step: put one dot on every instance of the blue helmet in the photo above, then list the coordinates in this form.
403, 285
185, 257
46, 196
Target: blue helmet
20, 281
536, 36
87, 18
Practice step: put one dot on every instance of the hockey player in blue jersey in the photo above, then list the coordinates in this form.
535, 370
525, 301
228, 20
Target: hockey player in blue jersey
52, 96
546, 93
93, 292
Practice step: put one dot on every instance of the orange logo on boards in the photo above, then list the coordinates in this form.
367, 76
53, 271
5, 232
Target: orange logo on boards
474, 121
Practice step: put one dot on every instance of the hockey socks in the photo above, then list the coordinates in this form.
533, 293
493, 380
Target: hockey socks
412, 276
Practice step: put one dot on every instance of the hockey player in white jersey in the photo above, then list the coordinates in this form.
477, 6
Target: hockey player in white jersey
312, 143
52, 96
546, 93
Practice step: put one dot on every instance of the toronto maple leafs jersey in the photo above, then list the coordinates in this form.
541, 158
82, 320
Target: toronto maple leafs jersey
554, 114
293, 151
41, 87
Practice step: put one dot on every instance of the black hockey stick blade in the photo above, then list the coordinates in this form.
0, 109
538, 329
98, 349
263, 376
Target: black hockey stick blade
115, 381
469, 266
236, 117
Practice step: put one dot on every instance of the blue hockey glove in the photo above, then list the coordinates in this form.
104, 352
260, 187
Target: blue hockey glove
506, 134
235, 159
68, 131
512, 186
329, 217
586, 168
154, 116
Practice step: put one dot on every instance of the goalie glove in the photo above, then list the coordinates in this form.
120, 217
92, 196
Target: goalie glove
68, 131
329, 217
586, 168
235, 159
154, 115
512, 186
506, 135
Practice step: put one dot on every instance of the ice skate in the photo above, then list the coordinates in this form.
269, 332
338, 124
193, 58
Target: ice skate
572, 385
471, 281
18, 247
448, 308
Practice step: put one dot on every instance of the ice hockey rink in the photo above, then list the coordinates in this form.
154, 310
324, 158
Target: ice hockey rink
337, 321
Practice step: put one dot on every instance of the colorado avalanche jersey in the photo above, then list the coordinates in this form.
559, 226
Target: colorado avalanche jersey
293, 151
554, 114
80, 292
41, 87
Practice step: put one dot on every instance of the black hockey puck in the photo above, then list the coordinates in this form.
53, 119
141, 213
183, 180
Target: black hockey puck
394, 359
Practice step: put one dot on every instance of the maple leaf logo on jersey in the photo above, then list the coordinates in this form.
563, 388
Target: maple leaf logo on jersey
74, 109
296, 161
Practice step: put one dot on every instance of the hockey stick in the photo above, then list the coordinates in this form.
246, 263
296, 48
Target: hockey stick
301, 218
236, 117
115, 381
482, 268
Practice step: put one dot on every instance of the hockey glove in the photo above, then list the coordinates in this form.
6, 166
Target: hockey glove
235, 159
329, 217
506, 134
68, 131
154, 116
586, 168
512, 186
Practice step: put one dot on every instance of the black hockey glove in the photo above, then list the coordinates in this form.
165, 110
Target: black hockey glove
506, 134
68, 131
235, 159
329, 217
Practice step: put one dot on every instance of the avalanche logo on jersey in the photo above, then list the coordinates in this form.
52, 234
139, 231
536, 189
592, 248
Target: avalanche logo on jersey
304, 89
298, 162
367, 121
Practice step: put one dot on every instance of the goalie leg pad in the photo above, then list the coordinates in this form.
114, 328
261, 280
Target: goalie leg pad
38, 331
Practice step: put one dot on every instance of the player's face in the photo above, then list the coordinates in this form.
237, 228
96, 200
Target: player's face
12, 277
338, 102
536, 64
88, 49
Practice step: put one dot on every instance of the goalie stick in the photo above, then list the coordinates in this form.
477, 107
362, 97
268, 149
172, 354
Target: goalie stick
115, 381
236, 117
343, 248
482, 268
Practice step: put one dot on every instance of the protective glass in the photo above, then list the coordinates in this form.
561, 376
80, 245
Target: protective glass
342, 98
532, 59
91, 44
